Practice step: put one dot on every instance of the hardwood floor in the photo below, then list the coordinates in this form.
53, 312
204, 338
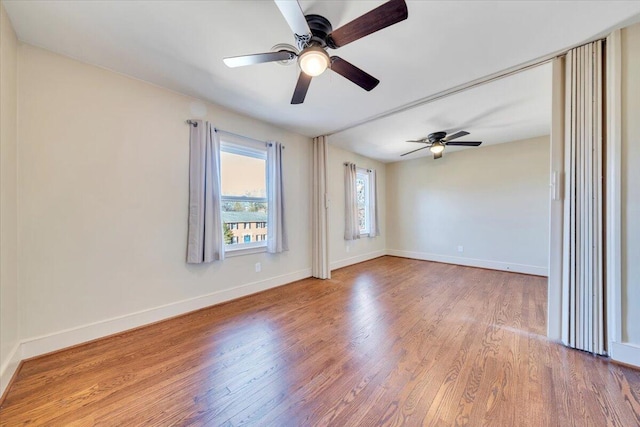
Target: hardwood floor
390, 341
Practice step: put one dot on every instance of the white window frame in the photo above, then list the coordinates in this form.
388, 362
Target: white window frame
255, 151
364, 175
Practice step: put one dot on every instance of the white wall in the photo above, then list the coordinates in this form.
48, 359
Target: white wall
630, 194
8, 202
343, 252
102, 194
492, 200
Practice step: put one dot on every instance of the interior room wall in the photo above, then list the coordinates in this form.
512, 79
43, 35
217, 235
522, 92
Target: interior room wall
8, 202
103, 195
491, 202
343, 252
630, 193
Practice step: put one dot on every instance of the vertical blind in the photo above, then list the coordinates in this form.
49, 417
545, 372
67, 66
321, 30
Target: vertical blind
583, 285
319, 227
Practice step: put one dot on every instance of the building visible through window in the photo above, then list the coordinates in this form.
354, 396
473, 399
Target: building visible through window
244, 195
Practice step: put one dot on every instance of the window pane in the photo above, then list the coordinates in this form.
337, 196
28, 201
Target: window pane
360, 192
242, 175
242, 206
243, 180
362, 221
247, 215
362, 200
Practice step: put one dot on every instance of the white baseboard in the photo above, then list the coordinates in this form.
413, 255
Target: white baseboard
356, 259
625, 352
472, 262
8, 369
36, 346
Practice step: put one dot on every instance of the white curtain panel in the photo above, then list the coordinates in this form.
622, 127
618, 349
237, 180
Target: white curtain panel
319, 218
583, 315
277, 240
351, 227
373, 204
205, 236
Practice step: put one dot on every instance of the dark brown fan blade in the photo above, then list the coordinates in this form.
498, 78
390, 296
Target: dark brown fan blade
381, 17
301, 88
258, 58
353, 73
426, 146
437, 155
294, 16
467, 143
455, 135
424, 140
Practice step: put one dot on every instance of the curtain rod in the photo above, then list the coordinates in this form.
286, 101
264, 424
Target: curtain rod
218, 130
347, 164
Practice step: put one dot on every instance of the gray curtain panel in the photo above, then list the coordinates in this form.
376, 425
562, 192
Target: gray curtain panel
373, 204
277, 240
351, 227
205, 236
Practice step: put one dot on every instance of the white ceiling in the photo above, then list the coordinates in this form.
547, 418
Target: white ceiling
180, 45
509, 109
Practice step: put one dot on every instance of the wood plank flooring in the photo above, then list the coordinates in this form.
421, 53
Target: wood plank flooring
388, 342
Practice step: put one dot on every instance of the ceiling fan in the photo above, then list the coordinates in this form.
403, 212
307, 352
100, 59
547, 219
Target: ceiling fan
314, 35
436, 142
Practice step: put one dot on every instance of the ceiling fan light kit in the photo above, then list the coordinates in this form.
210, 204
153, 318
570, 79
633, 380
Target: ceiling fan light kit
437, 147
314, 34
313, 61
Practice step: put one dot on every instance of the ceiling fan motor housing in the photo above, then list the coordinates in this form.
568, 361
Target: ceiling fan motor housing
320, 28
436, 136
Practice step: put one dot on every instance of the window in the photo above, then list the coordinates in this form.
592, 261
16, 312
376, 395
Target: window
362, 199
244, 194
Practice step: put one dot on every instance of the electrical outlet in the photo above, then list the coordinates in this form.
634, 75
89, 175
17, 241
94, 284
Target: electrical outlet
348, 248
460, 248
258, 267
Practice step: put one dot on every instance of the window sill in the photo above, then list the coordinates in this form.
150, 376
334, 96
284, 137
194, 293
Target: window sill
230, 253
369, 235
